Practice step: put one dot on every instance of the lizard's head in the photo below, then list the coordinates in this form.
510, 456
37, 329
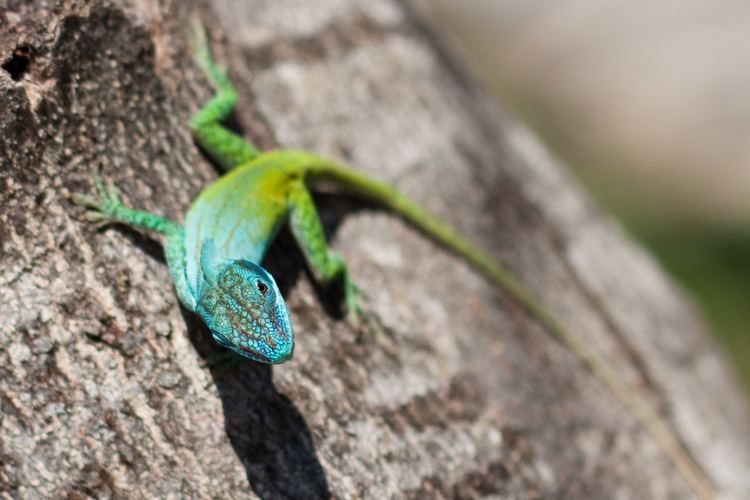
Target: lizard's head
243, 307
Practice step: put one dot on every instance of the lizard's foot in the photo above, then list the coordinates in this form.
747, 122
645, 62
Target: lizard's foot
352, 309
368, 325
103, 206
202, 53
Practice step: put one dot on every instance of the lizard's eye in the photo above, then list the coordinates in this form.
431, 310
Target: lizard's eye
262, 287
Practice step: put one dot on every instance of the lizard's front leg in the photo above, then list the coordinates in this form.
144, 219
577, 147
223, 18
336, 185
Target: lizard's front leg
325, 264
226, 147
106, 207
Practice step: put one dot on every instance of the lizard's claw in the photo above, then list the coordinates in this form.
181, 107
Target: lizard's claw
368, 324
103, 206
199, 43
197, 37
353, 310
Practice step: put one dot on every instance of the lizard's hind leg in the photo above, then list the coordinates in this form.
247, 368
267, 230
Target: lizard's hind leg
226, 147
325, 264
106, 207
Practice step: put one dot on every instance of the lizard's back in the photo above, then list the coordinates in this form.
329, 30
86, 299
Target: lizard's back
240, 212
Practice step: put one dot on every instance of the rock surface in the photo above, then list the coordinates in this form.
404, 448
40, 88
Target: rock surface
105, 385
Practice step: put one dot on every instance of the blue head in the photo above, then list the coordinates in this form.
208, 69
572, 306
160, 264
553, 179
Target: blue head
243, 307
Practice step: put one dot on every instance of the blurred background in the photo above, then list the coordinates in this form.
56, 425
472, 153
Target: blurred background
649, 104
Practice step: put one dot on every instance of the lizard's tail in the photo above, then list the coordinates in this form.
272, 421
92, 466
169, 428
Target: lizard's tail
385, 195
322, 170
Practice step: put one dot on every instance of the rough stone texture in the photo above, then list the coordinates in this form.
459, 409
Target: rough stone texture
104, 388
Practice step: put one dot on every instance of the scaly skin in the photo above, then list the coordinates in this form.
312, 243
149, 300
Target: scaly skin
215, 259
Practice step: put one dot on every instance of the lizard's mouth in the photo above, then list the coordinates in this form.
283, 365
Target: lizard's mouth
282, 357
289, 355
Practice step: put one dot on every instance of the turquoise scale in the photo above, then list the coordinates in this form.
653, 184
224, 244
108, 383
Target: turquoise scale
238, 215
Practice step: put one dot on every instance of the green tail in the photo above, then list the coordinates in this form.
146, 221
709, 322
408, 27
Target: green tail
322, 170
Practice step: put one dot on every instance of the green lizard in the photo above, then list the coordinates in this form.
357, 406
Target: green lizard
214, 258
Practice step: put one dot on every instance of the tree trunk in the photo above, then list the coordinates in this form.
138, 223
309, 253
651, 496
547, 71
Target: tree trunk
106, 389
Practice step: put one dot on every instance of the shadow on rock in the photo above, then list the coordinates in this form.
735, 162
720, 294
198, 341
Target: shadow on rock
266, 431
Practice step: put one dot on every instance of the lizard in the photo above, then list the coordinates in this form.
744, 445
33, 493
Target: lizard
215, 257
